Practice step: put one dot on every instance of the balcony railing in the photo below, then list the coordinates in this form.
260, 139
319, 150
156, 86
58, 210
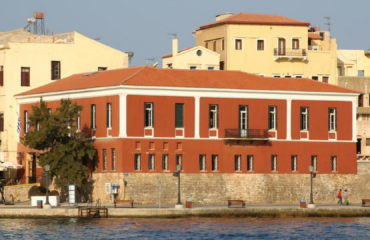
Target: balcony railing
289, 53
248, 134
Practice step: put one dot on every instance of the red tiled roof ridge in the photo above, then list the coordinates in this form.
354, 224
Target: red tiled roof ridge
231, 20
134, 74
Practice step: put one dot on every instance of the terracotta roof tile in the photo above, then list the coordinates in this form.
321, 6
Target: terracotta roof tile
314, 36
255, 18
149, 76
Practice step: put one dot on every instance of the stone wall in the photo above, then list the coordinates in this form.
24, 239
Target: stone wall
147, 188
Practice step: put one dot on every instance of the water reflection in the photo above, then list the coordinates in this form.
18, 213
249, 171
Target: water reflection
189, 228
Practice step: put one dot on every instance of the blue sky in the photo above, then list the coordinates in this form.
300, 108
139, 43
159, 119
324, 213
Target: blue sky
141, 26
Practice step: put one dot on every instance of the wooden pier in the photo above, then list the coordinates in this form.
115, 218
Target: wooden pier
93, 212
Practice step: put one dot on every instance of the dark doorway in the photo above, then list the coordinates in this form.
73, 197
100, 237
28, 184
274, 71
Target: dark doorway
358, 146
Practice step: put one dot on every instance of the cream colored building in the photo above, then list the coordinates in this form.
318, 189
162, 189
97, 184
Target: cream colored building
197, 57
270, 45
28, 61
353, 63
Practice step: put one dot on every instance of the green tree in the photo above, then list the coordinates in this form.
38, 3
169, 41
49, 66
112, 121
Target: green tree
60, 145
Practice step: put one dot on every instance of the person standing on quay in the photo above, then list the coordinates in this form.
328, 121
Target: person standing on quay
345, 196
340, 196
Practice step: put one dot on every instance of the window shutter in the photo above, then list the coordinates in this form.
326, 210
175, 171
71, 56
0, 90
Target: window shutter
308, 118
328, 119
217, 115
276, 117
269, 117
1, 122
107, 115
153, 115
145, 116
335, 111
247, 120
301, 117
240, 123
27, 74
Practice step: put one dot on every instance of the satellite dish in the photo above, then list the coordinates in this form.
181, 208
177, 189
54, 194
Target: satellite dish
31, 20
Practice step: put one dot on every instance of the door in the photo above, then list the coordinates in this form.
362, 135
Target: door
358, 146
243, 121
281, 46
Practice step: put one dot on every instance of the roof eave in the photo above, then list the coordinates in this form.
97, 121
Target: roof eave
306, 24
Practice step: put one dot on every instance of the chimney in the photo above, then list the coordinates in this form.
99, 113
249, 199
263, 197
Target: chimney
223, 16
174, 52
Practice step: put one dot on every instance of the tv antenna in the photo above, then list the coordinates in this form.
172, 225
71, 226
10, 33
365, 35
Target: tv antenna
149, 59
328, 23
173, 34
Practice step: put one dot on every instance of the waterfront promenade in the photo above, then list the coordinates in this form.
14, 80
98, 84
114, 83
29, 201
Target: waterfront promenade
24, 210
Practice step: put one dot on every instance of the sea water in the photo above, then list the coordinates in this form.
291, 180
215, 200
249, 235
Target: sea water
186, 228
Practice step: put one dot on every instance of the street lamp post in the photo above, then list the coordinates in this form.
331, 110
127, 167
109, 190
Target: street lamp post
177, 174
47, 204
312, 175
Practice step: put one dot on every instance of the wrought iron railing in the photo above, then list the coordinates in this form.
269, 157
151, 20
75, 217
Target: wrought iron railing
246, 133
290, 52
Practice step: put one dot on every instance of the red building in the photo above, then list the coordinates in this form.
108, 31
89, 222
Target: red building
145, 119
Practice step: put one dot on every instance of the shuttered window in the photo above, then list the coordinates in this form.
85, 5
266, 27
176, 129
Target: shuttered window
332, 119
272, 118
109, 115
1, 122
55, 70
260, 44
25, 76
1, 76
93, 116
304, 118
179, 115
213, 116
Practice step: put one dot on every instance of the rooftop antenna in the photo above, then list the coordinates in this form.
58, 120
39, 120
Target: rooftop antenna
328, 23
173, 34
149, 59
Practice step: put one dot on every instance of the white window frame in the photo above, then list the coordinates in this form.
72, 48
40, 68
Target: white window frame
113, 151
298, 76
264, 46
273, 112
332, 120
104, 159
93, 109
304, 117
288, 76
165, 162
202, 162
242, 44
294, 163
179, 159
334, 164
215, 163
137, 163
274, 163
276, 76
109, 120
250, 163
151, 162
78, 122
314, 162
149, 114
214, 113
237, 161
318, 77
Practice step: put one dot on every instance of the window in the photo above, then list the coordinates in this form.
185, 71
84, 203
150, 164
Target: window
367, 140
304, 118
272, 118
93, 116
332, 119
78, 121
222, 65
25, 128
260, 44
148, 115
360, 100
113, 159
238, 163
1, 76
214, 46
273, 163
202, 162
214, 162
109, 115
333, 163
151, 162
287, 76
295, 43
179, 115
25, 76
1, 122
314, 162
238, 44
165, 162
325, 79
211, 68
104, 160
298, 76
316, 78
179, 159
276, 76
294, 163
222, 44
37, 126
102, 69
55, 70
206, 45
137, 162
213, 116
243, 120
193, 67
250, 163
95, 161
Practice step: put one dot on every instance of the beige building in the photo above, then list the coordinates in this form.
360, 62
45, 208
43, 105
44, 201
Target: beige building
28, 61
270, 45
197, 57
353, 63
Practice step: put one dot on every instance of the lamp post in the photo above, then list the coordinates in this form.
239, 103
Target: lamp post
312, 175
47, 204
177, 174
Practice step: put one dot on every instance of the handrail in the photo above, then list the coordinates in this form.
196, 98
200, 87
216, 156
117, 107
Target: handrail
247, 133
290, 52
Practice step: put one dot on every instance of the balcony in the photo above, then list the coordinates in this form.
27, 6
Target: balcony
290, 54
246, 134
